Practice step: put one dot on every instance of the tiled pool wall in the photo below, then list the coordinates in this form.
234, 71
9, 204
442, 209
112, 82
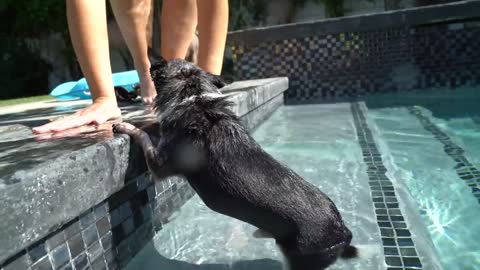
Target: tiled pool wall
344, 59
108, 235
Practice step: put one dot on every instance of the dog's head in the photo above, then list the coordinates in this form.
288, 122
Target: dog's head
180, 80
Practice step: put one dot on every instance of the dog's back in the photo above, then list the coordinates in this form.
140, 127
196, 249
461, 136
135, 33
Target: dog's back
205, 142
243, 181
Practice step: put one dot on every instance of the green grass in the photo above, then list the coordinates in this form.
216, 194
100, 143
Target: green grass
16, 101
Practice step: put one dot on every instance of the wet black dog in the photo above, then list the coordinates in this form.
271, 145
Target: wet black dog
202, 140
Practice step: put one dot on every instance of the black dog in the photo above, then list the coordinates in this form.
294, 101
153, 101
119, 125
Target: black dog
202, 140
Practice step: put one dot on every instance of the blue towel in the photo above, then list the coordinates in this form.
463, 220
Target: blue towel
80, 89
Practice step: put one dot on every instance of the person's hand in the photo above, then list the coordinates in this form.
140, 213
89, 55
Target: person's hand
98, 113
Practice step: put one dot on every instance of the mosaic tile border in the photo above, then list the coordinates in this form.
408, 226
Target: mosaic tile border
399, 248
345, 66
464, 168
108, 235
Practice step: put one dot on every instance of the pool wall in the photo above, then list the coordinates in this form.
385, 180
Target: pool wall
347, 58
95, 208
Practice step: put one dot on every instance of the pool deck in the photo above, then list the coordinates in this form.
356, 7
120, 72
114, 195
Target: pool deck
48, 181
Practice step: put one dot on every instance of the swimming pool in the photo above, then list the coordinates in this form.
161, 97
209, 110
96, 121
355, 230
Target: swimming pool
403, 171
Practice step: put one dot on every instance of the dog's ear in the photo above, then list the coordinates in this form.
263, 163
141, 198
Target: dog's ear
216, 80
158, 68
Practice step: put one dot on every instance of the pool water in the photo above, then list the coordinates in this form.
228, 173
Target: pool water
320, 143
445, 190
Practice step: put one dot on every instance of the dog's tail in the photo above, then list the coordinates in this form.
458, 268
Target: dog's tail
349, 252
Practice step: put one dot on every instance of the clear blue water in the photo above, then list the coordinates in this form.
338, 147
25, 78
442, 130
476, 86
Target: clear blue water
446, 203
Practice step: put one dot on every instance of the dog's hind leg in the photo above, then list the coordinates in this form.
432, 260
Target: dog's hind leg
155, 163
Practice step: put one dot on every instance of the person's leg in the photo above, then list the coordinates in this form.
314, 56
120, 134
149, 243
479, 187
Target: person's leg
88, 31
132, 18
178, 23
212, 30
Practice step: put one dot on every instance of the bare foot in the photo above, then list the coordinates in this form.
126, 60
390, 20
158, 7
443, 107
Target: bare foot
147, 89
98, 113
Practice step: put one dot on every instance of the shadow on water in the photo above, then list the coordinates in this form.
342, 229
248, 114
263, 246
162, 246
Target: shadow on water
151, 259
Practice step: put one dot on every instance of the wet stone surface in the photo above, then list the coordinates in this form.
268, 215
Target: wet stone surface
47, 180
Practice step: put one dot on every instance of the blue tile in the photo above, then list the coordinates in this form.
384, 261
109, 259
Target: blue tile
393, 261
408, 252
103, 226
405, 242
37, 251
90, 235
42, 264
80, 262
100, 211
403, 233
55, 240
128, 226
94, 252
60, 256
107, 241
72, 229
411, 262
87, 219
390, 251
388, 242
76, 245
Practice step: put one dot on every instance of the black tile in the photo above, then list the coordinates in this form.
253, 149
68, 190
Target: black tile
60, 256
397, 218
387, 232
90, 235
408, 252
103, 226
382, 218
403, 233
107, 241
55, 240
80, 262
100, 211
411, 262
405, 242
37, 251
72, 229
110, 255
393, 261
99, 264
388, 242
390, 251
381, 211
128, 226
87, 219
382, 224
76, 245
123, 251
399, 225
118, 235
42, 264
94, 252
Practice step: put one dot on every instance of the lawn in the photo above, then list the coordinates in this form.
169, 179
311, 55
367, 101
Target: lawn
16, 101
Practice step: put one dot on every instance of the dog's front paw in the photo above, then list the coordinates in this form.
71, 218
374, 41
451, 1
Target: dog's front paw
123, 128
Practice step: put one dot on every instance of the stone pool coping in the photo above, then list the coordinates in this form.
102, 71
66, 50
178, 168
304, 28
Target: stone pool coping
358, 23
39, 200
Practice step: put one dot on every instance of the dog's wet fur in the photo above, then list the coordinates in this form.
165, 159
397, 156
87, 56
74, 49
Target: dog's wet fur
202, 140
